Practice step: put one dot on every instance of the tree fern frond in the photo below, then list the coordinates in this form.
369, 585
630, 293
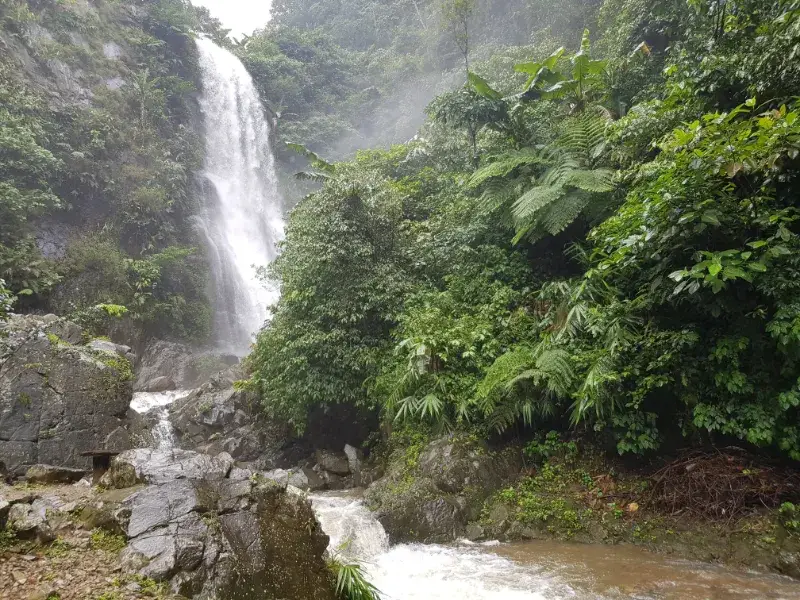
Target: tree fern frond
556, 217
504, 164
504, 368
527, 206
596, 180
498, 192
556, 366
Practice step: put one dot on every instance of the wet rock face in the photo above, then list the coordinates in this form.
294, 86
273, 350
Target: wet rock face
231, 539
218, 418
152, 466
58, 397
170, 365
445, 489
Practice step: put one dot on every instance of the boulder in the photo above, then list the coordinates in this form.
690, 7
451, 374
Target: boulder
216, 417
159, 384
415, 510
58, 398
112, 348
303, 478
456, 464
354, 459
151, 465
433, 498
39, 518
333, 462
53, 474
243, 539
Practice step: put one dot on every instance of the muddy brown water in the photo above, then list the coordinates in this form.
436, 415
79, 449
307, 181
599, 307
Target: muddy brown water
630, 572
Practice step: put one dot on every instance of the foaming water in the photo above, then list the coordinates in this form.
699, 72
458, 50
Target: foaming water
241, 220
543, 570
157, 402
354, 532
430, 572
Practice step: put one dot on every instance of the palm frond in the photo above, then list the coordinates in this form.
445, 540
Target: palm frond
310, 176
351, 582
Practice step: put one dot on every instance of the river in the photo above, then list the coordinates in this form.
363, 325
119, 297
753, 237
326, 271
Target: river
542, 570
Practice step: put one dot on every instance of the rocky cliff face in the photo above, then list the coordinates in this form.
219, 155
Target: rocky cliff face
59, 396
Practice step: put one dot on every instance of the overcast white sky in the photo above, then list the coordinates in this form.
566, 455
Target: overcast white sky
241, 16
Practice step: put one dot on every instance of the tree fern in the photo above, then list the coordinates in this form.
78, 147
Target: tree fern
504, 164
524, 384
571, 183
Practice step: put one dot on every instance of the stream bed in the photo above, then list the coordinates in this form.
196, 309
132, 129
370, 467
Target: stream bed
541, 570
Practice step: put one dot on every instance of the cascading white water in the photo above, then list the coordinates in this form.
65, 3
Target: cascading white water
241, 220
157, 403
355, 533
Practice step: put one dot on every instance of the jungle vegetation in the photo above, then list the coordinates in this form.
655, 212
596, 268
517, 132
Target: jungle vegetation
595, 229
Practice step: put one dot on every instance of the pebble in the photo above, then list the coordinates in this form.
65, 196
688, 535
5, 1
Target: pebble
19, 576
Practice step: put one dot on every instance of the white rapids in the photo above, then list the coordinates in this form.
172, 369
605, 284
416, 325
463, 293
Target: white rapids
416, 571
242, 219
158, 403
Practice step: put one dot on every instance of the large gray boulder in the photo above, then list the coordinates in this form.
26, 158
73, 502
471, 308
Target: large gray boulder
432, 498
217, 417
242, 539
154, 466
58, 397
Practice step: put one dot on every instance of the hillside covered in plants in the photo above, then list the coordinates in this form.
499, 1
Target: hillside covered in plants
594, 231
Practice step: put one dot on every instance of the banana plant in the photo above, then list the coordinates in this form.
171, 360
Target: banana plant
577, 84
322, 169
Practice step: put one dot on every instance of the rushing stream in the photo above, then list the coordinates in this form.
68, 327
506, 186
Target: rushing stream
242, 220
531, 570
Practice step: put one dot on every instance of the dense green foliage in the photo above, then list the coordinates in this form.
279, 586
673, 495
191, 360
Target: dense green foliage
600, 237
96, 148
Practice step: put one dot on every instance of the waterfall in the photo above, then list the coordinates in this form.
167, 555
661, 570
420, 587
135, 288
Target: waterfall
241, 220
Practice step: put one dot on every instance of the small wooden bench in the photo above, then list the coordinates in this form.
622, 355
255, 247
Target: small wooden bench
101, 462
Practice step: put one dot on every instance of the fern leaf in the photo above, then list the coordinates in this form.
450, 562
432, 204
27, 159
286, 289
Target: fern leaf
556, 217
596, 180
505, 368
504, 164
531, 202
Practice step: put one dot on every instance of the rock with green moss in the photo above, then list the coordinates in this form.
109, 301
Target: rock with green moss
58, 397
432, 490
230, 539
